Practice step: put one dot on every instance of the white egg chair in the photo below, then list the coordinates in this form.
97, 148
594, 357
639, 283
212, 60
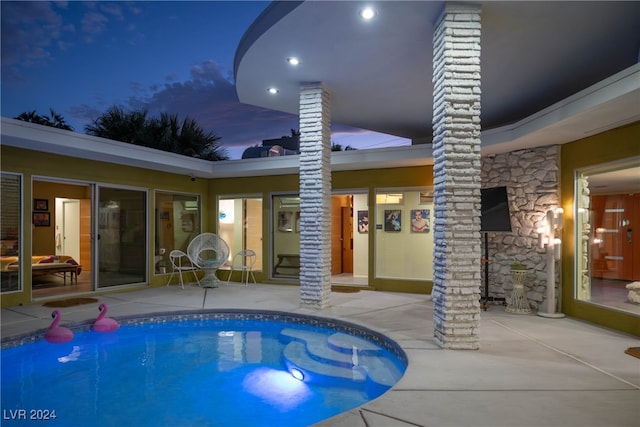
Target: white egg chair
208, 252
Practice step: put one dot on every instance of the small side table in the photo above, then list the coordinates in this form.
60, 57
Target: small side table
519, 303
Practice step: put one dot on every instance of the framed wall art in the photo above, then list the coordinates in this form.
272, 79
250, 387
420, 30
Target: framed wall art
285, 221
187, 222
393, 220
41, 219
40, 204
420, 220
363, 221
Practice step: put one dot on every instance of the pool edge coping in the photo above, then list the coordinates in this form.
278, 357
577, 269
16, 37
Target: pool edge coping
236, 313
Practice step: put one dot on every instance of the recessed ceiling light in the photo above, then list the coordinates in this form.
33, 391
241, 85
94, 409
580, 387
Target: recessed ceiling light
293, 60
368, 13
273, 90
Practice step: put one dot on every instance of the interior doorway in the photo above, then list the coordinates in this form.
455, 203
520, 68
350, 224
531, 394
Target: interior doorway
64, 238
349, 244
67, 232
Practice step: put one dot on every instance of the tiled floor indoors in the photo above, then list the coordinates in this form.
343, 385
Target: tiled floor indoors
530, 370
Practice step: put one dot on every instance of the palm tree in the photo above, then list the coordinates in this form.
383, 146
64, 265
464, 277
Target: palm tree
164, 133
338, 147
56, 120
117, 124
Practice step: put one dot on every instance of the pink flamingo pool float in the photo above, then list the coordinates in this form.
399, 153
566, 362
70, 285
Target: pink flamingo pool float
57, 334
104, 324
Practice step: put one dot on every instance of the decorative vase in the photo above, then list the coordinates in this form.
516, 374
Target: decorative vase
519, 303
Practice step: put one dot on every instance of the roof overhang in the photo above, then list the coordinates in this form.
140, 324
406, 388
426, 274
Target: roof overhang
29, 136
609, 104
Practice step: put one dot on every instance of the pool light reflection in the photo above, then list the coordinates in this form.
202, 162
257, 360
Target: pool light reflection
297, 374
71, 357
276, 387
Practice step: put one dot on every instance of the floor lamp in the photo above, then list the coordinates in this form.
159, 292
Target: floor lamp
547, 240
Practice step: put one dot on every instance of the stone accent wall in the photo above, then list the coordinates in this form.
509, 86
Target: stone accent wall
583, 221
315, 196
456, 151
531, 177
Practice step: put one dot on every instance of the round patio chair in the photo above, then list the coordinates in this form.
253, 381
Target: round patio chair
208, 252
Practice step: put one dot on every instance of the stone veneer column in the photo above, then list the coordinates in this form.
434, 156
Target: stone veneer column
456, 151
315, 196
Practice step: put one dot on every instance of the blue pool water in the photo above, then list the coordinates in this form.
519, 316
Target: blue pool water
221, 371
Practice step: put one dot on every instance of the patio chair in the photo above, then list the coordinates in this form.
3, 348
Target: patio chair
208, 251
243, 261
180, 262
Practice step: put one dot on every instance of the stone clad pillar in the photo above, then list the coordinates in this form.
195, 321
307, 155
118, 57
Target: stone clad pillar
315, 196
456, 150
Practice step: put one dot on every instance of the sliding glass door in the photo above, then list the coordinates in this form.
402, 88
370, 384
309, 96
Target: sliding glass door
607, 245
122, 236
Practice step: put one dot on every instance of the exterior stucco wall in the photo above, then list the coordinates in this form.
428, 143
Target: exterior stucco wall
611, 146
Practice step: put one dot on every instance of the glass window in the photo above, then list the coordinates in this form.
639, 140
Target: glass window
10, 232
240, 225
404, 240
177, 223
286, 235
122, 236
607, 228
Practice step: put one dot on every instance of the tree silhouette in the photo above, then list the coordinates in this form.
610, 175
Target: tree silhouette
55, 120
338, 147
166, 133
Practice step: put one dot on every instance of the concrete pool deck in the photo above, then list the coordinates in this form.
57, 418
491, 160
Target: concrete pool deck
529, 371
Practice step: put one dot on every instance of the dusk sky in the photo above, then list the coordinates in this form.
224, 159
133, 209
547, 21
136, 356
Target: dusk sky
80, 58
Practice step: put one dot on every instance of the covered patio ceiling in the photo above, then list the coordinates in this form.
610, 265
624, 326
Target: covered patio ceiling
534, 56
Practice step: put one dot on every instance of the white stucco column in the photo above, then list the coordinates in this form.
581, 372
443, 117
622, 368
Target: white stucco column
315, 196
456, 150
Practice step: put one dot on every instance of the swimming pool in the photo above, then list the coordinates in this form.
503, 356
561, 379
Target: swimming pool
208, 368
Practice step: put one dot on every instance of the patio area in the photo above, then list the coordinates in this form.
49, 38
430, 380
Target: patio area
530, 371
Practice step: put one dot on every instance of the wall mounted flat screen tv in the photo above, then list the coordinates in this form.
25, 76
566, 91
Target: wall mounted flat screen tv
494, 214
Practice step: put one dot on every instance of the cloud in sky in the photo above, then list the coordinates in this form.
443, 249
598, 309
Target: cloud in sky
210, 98
29, 31
80, 58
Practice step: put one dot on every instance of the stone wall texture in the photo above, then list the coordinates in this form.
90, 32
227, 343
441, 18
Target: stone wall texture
456, 151
315, 196
583, 221
531, 177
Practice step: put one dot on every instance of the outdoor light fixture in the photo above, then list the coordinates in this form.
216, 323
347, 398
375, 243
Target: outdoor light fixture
293, 60
272, 90
297, 374
368, 13
552, 245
